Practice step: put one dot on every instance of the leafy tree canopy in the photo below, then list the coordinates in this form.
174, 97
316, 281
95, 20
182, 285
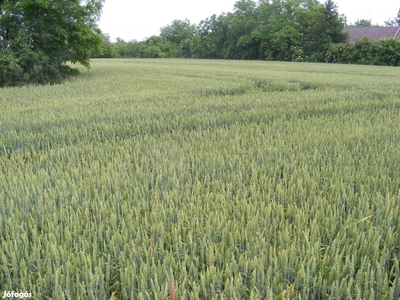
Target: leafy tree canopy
299, 30
362, 23
38, 37
178, 31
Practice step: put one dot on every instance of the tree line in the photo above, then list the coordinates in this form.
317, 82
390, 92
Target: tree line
40, 38
286, 30
283, 30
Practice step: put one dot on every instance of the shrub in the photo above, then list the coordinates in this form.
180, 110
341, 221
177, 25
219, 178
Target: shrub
339, 53
26, 66
385, 52
389, 52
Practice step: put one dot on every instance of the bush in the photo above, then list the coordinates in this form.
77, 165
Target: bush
11, 71
339, 53
26, 66
364, 52
388, 51
385, 52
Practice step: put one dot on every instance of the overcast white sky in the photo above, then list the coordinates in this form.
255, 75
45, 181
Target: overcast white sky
132, 19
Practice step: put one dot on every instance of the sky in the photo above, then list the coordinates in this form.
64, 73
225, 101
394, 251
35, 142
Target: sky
138, 20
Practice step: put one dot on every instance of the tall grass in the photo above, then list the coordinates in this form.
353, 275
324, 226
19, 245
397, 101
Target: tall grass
149, 179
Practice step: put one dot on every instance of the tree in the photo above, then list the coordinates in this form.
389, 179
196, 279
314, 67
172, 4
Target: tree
242, 39
325, 30
211, 37
334, 23
363, 23
120, 48
150, 47
282, 30
390, 23
38, 38
291, 29
106, 48
178, 31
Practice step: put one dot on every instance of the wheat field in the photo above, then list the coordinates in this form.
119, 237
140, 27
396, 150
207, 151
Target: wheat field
202, 179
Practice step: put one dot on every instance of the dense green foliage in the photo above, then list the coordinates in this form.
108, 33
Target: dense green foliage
38, 37
229, 179
363, 23
294, 30
385, 52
